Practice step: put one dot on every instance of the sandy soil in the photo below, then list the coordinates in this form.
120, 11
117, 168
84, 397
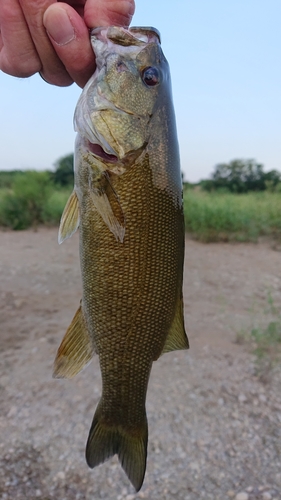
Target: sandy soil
214, 425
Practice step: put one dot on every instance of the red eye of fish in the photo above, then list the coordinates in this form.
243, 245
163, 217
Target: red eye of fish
150, 76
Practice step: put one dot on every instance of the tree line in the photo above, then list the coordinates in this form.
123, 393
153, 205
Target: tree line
242, 176
237, 176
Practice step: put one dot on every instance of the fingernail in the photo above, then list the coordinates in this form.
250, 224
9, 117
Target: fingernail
58, 26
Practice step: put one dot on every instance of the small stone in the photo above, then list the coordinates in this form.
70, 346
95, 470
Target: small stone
13, 411
142, 494
18, 303
242, 398
266, 495
249, 489
262, 398
38, 493
130, 497
231, 493
61, 475
243, 495
194, 466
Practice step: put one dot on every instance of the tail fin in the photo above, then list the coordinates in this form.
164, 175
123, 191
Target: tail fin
131, 447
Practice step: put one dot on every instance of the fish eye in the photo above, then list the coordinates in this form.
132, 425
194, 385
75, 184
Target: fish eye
150, 76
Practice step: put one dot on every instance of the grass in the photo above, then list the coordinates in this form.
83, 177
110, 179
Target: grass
31, 198
232, 217
265, 343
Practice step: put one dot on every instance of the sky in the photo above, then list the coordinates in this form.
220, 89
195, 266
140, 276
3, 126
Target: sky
225, 61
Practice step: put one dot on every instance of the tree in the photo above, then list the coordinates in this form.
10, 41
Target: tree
63, 174
241, 176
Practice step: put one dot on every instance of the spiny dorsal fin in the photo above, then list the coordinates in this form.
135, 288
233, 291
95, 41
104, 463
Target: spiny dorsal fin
177, 339
70, 218
76, 349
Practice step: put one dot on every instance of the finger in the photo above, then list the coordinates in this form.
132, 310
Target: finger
108, 12
78, 5
18, 55
52, 68
75, 52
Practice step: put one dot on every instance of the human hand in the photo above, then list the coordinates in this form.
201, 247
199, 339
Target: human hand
52, 37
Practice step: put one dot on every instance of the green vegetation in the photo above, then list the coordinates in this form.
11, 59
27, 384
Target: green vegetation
31, 200
265, 343
63, 175
242, 176
242, 203
220, 216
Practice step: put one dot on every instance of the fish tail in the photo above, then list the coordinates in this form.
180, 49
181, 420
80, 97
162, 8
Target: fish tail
105, 441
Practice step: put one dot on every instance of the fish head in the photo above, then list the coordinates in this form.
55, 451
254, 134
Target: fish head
116, 106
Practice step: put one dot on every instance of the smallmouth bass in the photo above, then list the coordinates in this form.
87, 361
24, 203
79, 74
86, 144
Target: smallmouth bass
127, 202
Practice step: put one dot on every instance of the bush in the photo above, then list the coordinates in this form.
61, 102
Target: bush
23, 206
54, 206
7, 178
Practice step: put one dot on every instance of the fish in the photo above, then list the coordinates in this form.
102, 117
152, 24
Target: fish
127, 203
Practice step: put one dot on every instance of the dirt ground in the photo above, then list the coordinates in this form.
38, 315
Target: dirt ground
214, 426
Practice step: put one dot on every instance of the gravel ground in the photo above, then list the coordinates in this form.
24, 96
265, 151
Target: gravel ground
214, 426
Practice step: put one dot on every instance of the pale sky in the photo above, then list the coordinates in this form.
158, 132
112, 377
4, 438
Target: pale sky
225, 60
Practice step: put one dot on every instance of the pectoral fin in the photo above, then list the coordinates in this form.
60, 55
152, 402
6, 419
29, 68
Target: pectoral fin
177, 338
76, 349
69, 219
108, 205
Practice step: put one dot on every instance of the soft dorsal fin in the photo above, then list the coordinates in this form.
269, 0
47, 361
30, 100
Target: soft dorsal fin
70, 218
76, 349
177, 338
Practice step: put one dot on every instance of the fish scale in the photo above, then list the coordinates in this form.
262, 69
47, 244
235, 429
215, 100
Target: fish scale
131, 232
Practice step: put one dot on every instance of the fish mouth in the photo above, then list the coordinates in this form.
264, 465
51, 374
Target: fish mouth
118, 165
97, 150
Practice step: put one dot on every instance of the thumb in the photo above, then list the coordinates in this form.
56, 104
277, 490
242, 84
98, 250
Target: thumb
69, 36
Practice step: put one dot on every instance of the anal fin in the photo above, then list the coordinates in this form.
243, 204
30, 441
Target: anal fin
76, 349
69, 219
177, 339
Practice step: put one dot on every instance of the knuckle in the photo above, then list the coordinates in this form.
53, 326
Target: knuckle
6, 11
19, 67
60, 80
